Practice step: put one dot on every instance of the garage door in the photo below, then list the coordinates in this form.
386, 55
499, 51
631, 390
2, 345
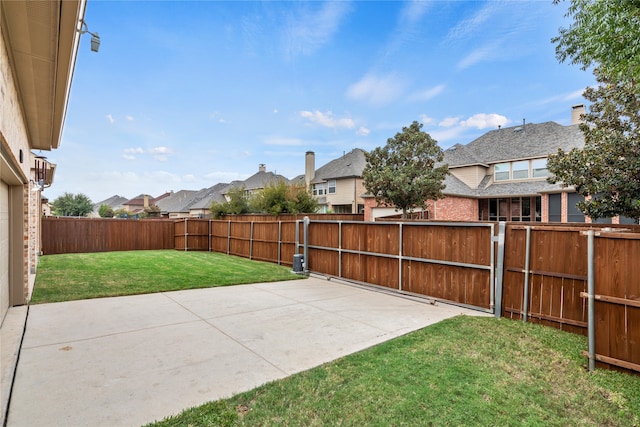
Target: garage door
4, 249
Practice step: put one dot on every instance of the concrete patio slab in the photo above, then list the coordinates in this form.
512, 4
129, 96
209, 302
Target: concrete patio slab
128, 361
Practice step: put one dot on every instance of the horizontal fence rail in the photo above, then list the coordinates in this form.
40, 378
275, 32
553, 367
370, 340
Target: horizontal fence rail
448, 261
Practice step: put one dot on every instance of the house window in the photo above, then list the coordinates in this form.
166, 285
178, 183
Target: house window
320, 189
573, 213
539, 168
332, 186
501, 171
512, 209
520, 169
555, 208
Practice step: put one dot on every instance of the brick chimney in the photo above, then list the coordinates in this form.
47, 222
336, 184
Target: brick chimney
309, 167
146, 201
262, 167
576, 112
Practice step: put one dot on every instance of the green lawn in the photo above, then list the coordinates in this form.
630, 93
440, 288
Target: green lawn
104, 274
463, 371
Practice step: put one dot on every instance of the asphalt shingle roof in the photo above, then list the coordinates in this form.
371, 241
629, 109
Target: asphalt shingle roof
256, 181
177, 202
528, 141
210, 195
349, 165
517, 142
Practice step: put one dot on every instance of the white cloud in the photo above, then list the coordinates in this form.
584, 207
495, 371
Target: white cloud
130, 153
465, 28
377, 90
161, 154
225, 176
189, 178
449, 121
276, 140
129, 118
425, 120
111, 119
328, 120
160, 150
478, 55
363, 131
483, 121
427, 94
412, 12
565, 97
307, 30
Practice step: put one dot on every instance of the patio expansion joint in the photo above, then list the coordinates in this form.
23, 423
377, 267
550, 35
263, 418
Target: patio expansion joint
129, 331
240, 343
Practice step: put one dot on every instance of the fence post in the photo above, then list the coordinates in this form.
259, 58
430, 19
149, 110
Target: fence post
306, 245
251, 241
527, 256
591, 289
279, 241
228, 237
339, 248
499, 273
400, 258
186, 234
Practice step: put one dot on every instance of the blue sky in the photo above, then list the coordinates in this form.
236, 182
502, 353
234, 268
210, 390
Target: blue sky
187, 94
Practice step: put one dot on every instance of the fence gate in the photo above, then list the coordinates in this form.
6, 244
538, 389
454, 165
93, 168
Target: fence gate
453, 262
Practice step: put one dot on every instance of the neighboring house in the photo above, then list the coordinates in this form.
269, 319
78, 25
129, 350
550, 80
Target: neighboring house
502, 176
178, 205
138, 204
200, 209
255, 183
338, 185
38, 48
114, 202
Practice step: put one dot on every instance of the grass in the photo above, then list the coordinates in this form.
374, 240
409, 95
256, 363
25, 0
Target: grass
80, 276
462, 371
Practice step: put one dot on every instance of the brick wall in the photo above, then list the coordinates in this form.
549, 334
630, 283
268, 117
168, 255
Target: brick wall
453, 208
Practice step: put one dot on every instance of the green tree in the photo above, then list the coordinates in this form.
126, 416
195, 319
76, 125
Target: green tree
105, 211
403, 173
151, 211
72, 205
300, 200
272, 199
237, 204
122, 213
607, 170
604, 34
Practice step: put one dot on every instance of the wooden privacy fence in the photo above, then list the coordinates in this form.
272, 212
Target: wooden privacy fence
292, 217
272, 241
533, 272
547, 272
62, 235
448, 261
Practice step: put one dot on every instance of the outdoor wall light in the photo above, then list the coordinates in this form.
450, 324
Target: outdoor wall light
95, 38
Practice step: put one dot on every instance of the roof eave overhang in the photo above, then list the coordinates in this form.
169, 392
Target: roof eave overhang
42, 39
